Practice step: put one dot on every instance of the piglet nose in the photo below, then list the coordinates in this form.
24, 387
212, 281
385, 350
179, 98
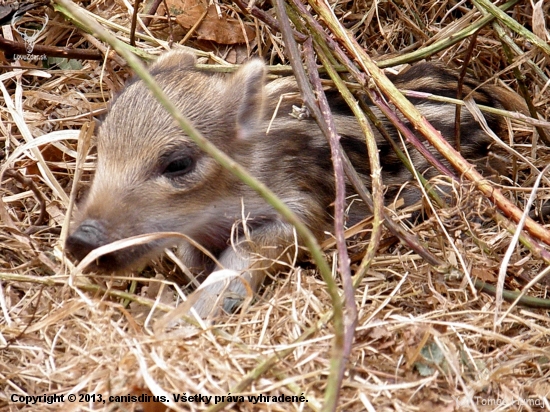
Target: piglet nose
87, 237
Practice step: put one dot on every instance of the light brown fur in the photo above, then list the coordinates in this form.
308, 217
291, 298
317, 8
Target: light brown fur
151, 177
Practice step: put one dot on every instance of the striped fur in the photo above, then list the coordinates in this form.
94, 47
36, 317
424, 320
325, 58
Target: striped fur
151, 177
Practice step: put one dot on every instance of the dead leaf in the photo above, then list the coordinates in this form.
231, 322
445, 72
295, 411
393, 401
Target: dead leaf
217, 28
486, 274
52, 153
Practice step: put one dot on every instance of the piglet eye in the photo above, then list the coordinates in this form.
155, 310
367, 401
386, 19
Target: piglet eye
178, 167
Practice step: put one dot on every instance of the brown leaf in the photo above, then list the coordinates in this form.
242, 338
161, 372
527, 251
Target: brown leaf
219, 29
32, 169
52, 153
485, 273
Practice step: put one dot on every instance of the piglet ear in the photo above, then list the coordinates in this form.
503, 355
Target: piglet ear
246, 89
175, 59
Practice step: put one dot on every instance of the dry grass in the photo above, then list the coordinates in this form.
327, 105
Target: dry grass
425, 340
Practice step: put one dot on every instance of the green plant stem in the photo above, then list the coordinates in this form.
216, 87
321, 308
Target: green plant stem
445, 43
512, 24
344, 326
520, 78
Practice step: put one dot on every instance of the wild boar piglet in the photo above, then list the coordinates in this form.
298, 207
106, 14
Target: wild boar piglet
151, 177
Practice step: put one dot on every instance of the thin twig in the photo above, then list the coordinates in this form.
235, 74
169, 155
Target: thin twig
134, 23
152, 10
266, 18
337, 364
350, 314
12, 47
26, 181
